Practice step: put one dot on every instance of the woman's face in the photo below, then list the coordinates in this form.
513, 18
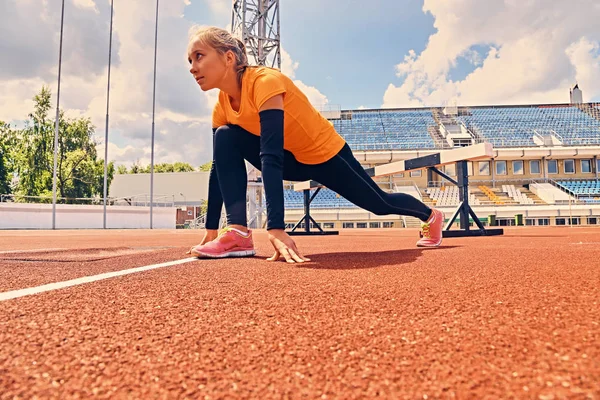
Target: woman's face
207, 66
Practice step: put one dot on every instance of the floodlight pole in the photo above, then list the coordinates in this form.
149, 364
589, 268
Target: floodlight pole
62, 17
107, 107
153, 112
257, 24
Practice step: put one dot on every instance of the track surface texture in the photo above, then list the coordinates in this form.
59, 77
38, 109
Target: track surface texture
514, 316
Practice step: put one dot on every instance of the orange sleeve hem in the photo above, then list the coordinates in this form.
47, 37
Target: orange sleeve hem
270, 95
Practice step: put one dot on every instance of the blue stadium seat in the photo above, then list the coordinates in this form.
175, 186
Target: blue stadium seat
587, 191
387, 130
515, 126
326, 198
512, 126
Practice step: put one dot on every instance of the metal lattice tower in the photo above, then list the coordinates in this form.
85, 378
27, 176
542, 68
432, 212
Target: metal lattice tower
256, 23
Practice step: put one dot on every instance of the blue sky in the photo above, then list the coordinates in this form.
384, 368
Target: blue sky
348, 53
349, 49
353, 51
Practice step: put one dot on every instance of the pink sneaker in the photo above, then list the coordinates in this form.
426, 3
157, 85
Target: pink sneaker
229, 243
432, 230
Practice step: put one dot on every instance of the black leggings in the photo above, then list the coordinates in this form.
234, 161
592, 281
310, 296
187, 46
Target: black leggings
342, 174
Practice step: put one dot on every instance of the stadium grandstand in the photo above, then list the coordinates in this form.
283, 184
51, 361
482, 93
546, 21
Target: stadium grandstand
544, 172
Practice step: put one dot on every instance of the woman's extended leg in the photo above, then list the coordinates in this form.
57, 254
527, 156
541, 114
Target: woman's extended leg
344, 174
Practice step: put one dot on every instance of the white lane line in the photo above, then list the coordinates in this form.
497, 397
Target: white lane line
13, 294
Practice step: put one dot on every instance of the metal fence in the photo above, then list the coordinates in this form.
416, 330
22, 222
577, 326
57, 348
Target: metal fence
141, 200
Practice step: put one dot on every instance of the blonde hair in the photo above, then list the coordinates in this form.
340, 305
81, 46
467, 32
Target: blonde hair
222, 41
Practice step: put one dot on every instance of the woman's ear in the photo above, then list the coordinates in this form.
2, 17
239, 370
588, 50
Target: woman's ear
229, 58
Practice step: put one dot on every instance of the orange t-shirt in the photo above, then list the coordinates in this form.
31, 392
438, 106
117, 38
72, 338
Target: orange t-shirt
309, 136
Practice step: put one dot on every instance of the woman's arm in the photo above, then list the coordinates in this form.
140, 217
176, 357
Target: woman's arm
215, 198
271, 157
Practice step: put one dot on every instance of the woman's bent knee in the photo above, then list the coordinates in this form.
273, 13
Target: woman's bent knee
223, 141
223, 133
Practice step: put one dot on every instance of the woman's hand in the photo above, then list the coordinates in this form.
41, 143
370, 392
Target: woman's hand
209, 235
284, 246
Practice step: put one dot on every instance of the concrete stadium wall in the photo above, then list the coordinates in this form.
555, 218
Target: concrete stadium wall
39, 216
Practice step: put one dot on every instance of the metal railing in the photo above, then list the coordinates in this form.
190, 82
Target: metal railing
17, 198
595, 141
141, 200
199, 222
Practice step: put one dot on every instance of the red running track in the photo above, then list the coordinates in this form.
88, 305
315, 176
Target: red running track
515, 316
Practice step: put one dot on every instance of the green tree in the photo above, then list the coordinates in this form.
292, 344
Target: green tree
4, 186
79, 171
35, 141
205, 167
160, 168
121, 169
137, 168
182, 167
203, 206
6, 143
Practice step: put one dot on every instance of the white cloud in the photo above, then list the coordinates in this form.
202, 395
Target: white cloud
289, 67
220, 7
15, 98
212, 97
181, 107
86, 4
127, 155
183, 111
314, 95
537, 49
585, 58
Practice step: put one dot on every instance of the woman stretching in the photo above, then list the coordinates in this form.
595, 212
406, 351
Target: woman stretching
262, 117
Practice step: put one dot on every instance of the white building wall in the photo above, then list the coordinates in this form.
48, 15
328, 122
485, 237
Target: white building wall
193, 186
